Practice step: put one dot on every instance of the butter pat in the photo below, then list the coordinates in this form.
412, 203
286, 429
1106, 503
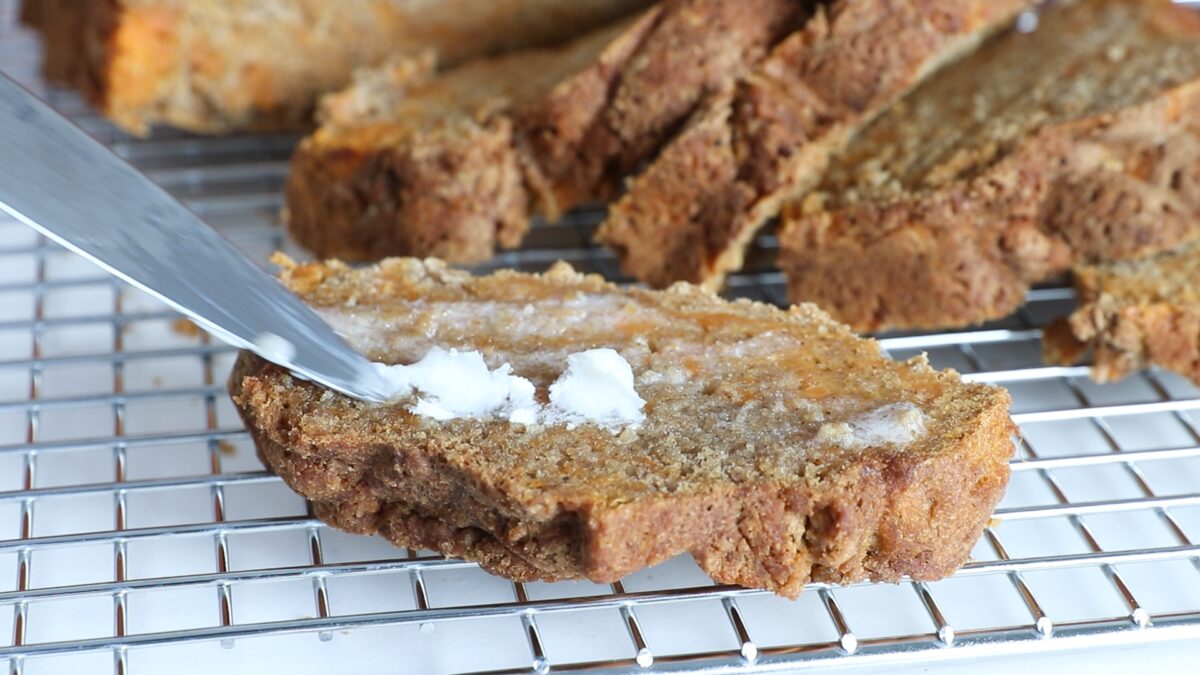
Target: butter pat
893, 424
452, 384
596, 387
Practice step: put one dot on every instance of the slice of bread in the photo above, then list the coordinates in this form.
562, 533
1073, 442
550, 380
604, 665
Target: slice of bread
1077, 142
691, 214
452, 165
215, 66
1134, 314
408, 160
777, 447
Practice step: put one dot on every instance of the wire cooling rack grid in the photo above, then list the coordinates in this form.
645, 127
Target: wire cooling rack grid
138, 532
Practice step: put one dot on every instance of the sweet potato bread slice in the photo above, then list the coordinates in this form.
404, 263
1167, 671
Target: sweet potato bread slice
408, 160
1078, 142
219, 65
1133, 314
452, 165
777, 447
690, 215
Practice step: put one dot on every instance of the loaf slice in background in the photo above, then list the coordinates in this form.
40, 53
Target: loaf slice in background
777, 447
1078, 142
219, 65
454, 164
409, 160
691, 214
1134, 314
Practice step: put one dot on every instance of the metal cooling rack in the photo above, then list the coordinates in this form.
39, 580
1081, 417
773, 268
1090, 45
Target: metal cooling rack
139, 533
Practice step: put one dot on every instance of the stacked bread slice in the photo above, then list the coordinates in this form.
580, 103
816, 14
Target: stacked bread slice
452, 164
692, 212
717, 109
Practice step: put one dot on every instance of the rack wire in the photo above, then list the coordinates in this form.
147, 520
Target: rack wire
138, 530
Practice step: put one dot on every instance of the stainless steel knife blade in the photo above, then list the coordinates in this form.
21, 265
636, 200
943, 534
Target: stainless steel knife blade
63, 183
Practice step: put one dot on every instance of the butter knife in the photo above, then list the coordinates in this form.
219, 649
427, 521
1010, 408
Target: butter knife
63, 183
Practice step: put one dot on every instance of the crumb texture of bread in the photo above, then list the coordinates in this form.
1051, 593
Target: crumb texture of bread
1078, 142
215, 66
777, 448
691, 213
1134, 314
454, 164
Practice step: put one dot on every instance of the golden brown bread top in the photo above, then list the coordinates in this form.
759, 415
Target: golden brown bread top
1083, 60
736, 392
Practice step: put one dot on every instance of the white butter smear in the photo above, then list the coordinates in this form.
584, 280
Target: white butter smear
275, 348
597, 387
454, 384
893, 424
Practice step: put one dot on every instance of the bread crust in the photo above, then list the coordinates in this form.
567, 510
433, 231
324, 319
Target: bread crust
1108, 186
1132, 315
691, 214
214, 66
878, 514
573, 137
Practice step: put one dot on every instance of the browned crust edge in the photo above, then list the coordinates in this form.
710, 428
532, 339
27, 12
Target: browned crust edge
457, 192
